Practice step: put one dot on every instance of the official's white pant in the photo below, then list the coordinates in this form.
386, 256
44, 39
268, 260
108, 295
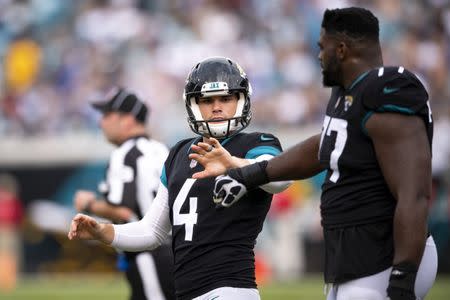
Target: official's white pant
150, 282
230, 293
374, 287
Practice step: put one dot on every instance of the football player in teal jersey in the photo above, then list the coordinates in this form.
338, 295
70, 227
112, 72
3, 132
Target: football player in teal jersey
213, 248
375, 146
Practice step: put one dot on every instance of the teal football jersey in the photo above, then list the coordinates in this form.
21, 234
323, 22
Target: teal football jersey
354, 191
214, 248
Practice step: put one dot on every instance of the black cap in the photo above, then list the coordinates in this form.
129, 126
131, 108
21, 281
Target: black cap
121, 100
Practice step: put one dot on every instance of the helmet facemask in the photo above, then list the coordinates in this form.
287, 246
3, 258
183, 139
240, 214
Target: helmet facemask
222, 128
240, 86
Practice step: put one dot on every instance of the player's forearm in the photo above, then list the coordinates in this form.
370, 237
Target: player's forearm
271, 187
299, 162
404, 157
410, 230
138, 236
110, 212
117, 214
274, 186
149, 232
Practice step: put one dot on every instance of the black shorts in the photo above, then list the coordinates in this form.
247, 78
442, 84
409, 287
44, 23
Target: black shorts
160, 270
357, 251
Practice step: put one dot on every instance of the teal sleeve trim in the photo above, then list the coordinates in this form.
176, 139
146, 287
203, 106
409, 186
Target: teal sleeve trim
385, 108
164, 177
258, 151
395, 108
195, 141
225, 141
364, 121
357, 80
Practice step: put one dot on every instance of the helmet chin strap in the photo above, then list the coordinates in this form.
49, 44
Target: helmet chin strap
217, 130
240, 105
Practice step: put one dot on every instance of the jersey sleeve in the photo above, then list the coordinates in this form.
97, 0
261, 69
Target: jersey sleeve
262, 144
396, 90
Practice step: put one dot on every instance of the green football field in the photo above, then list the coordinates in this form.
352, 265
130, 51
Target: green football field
84, 287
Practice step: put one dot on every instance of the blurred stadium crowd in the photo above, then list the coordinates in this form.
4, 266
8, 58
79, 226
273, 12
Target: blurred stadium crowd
57, 56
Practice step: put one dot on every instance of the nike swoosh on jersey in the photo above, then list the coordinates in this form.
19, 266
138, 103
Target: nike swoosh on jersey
266, 138
387, 90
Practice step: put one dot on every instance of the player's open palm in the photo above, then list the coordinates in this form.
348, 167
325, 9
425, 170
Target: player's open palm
84, 227
212, 156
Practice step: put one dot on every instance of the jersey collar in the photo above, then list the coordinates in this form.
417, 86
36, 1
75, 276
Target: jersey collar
358, 80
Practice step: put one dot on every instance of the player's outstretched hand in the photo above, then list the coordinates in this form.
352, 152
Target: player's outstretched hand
84, 227
227, 191
82, 200
212, 156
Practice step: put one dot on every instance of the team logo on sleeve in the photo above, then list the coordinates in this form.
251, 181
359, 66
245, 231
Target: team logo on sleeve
348, 102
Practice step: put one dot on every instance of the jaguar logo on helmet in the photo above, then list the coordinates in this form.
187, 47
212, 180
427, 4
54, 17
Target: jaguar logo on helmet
217, 76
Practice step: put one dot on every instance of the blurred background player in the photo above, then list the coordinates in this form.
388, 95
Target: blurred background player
130, 185
11, 213
213, 249
376, 148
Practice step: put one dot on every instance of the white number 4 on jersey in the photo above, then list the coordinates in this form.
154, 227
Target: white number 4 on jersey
189, 219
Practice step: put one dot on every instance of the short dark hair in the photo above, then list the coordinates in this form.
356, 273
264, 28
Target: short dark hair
355, 22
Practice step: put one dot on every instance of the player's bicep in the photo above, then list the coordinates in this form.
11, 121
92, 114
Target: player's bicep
158, 214
403, 153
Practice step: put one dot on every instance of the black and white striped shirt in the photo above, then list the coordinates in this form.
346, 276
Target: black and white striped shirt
133, 174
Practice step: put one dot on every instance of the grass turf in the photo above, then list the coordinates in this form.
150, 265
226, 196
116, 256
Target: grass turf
85, 287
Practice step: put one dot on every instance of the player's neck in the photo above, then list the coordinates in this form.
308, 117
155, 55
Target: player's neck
133, 133
355, 70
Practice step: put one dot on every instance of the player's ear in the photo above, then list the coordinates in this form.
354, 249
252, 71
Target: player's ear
342, 50
128, 119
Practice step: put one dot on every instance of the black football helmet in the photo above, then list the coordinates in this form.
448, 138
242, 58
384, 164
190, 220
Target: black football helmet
217, 76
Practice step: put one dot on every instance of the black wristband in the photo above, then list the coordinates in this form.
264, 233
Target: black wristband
402, 281
252, 176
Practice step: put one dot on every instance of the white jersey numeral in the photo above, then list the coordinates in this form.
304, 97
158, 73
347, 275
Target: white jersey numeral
190, 218
340, 127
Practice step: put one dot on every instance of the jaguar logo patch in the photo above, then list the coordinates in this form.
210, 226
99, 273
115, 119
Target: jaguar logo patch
348, 102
